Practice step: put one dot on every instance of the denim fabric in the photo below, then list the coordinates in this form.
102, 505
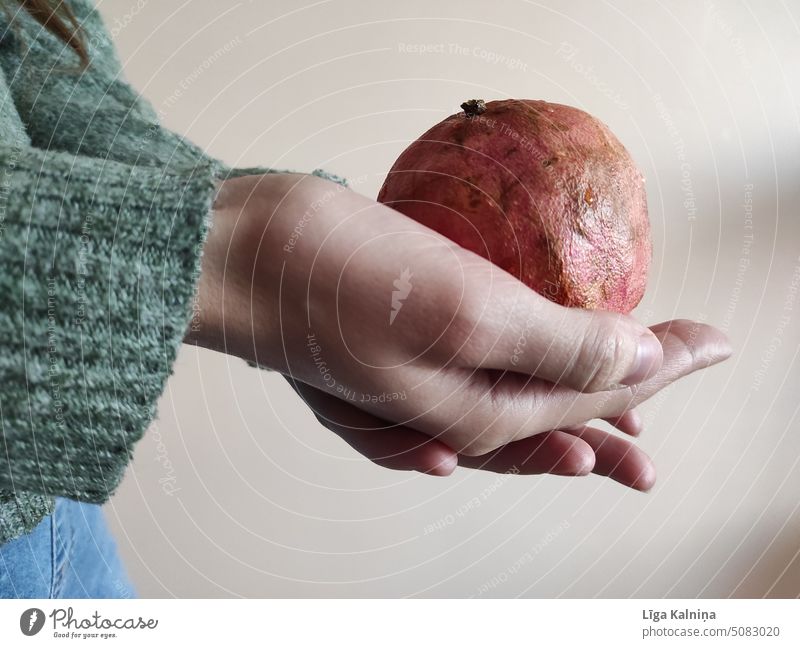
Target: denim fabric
70, 554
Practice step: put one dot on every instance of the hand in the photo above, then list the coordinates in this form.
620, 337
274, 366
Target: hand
350, 297
569, 450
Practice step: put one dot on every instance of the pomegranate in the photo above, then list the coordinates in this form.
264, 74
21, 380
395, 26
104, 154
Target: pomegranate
543, 190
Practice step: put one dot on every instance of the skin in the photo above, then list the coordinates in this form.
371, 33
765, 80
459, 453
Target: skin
494, 376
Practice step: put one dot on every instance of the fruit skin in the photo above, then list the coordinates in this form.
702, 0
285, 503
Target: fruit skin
543, 190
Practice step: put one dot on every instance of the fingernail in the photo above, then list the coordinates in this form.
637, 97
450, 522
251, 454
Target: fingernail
649, 356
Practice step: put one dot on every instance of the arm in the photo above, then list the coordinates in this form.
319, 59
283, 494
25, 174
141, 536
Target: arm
445, 351
299, 275
103, 214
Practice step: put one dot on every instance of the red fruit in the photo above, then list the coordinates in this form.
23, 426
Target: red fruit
544, 191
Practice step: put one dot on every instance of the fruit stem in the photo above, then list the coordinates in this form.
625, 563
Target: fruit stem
474, 107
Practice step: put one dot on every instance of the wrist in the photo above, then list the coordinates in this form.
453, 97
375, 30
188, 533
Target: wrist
236, 306
261, 247
206, 326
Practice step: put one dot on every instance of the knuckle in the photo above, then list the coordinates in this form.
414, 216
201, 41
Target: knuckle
472, 437
603, 357
479, 447
467, 337
491, 423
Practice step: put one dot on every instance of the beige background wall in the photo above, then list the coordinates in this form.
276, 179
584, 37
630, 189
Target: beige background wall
236, 491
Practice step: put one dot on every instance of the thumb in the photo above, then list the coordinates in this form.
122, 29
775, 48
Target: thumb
587, 350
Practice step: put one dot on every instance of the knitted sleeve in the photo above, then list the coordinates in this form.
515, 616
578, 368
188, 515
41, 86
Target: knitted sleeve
99, 266
103, 214
93, 112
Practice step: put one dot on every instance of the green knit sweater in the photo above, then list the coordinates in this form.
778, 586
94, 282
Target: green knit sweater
103, 215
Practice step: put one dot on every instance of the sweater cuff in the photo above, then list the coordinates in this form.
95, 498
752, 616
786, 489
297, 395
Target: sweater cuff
225, 172
22, 513
101, 263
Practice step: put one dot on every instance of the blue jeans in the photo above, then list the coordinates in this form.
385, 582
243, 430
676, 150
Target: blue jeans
70, 554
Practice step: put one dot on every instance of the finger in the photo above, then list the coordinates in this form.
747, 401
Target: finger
586, 350
688, 347
556, 452
618, 458
490, 412
629, 422
395, 447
